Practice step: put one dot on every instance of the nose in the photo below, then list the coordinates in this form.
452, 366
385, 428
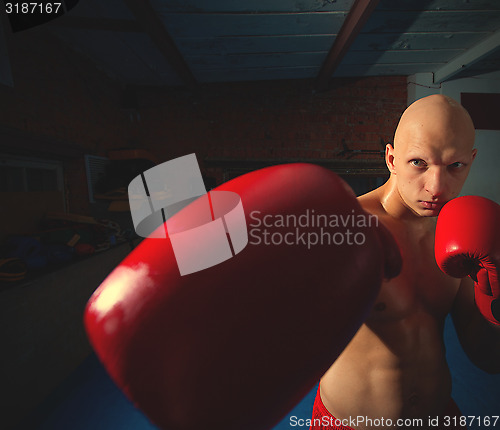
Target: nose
435, 183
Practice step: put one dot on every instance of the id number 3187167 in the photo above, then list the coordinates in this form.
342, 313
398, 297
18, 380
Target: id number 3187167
32, 7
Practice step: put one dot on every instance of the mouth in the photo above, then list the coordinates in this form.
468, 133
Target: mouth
431, 205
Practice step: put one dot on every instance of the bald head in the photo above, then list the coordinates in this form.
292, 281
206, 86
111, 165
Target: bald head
434, 117
432, 154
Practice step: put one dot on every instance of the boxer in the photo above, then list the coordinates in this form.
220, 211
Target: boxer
395, 365
236, 345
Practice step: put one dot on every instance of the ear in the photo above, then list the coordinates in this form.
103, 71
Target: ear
389, 158
474, 152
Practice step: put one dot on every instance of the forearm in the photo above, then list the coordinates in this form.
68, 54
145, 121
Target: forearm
479, 338
486, 349
467, 243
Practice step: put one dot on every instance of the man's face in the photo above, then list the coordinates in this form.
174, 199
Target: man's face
427, 177
430, 161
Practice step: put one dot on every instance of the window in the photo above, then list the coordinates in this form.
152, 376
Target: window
18, 174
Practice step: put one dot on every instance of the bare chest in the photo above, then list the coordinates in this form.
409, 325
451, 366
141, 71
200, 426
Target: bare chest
421, 286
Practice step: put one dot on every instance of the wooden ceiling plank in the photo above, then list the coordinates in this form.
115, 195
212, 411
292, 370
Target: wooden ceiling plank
295, 59
255, 6
153, 26
350, 70
402, 56
234, 25
257, 74
469, 57
409, 41
439, 5
104, 24
322, 43
255, 45
314, 59
432, 21
357, 17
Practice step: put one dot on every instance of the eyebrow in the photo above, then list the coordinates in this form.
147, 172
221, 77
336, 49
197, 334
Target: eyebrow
414, 154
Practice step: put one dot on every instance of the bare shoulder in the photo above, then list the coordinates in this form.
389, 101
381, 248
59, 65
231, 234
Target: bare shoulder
371, 202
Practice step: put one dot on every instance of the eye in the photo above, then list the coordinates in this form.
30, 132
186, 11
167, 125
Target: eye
456, 165
417, 163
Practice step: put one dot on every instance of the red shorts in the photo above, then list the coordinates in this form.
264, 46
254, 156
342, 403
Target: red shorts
322, 419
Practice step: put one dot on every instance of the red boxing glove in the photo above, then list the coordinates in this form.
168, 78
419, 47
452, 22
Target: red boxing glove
237, 345
468, 243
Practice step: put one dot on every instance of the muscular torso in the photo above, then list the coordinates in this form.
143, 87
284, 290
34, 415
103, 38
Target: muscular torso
395, 365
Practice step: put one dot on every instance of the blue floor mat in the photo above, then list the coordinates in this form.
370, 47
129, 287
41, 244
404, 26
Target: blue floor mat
89, 400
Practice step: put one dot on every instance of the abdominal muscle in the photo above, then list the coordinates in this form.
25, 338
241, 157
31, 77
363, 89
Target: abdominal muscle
390, 370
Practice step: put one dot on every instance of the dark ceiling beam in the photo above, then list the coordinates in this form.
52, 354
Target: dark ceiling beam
356, 19
152, 25
470, 56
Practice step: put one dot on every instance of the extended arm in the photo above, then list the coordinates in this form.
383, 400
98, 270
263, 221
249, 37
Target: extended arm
479, 338
468, 246
236, 345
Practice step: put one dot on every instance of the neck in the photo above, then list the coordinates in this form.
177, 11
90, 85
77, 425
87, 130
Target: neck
394, 204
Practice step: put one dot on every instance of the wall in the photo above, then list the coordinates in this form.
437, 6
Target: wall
484, 176
279, 121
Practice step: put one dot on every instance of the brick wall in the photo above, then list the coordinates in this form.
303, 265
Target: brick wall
283, 120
